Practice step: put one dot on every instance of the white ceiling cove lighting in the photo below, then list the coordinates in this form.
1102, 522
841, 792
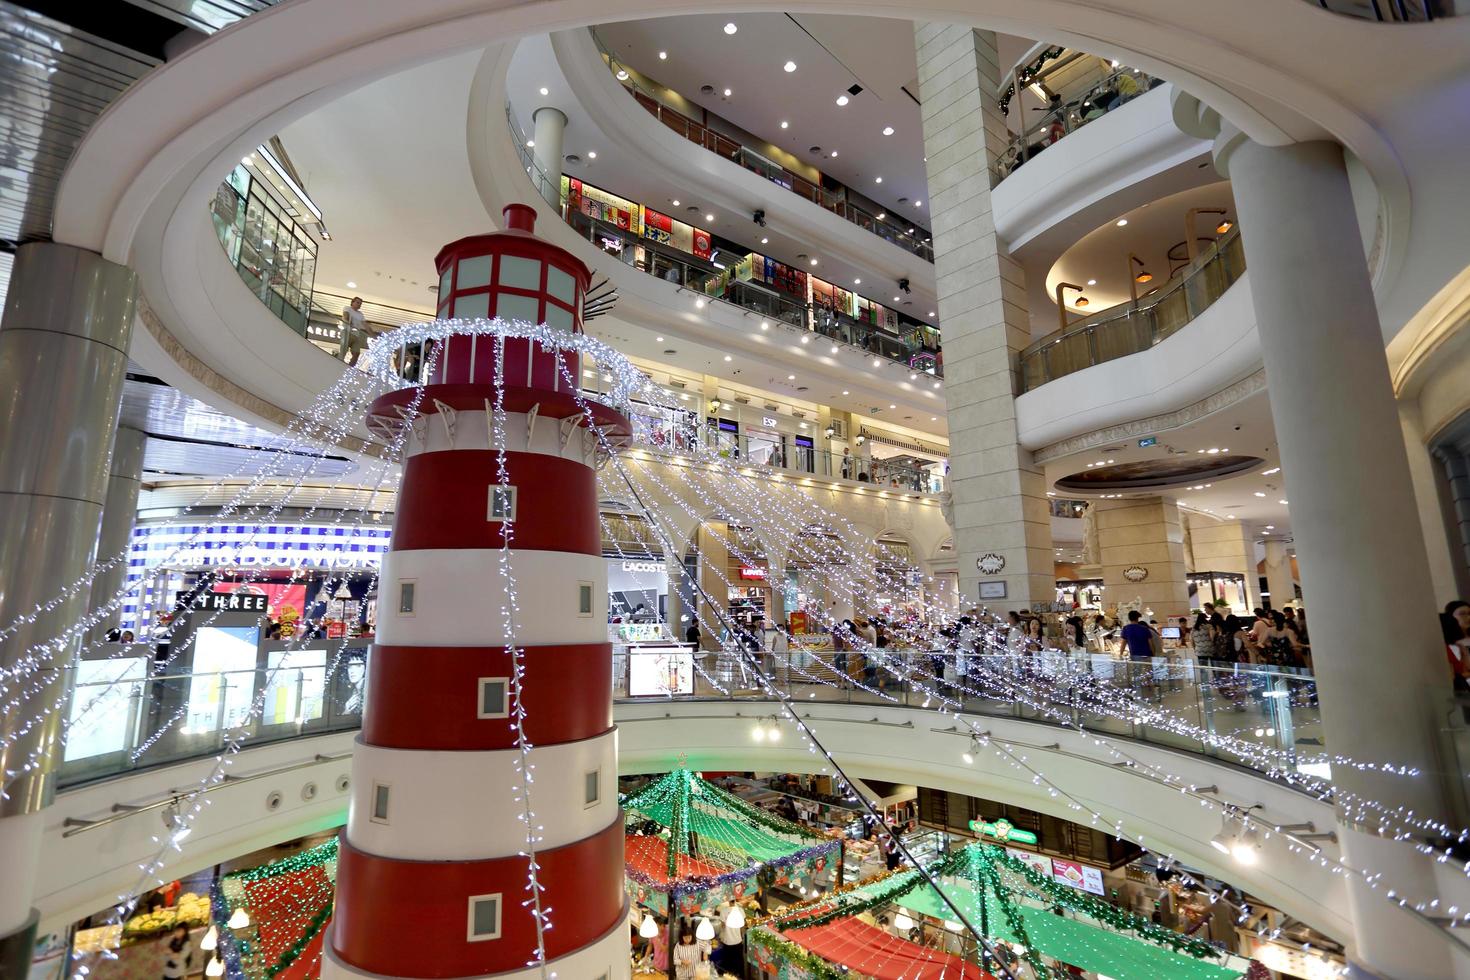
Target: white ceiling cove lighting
789, 66
731, 28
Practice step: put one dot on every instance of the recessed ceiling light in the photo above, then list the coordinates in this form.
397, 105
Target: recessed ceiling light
1282, 502
882, 215
918, 204
834, 348
675, 202
934, 418
765, 241
806, 338
530, 143
785, 124
1270, 527
592, 154
765, 325
887, 130
728, 357
790, 66
1092, 282
790, 377
834, 153
897, 299
1274, 469
1230, 517
545, 90
892, 406
1122, 222
352, 285
842, 100
699, 304
622, 75
877, 180
663, 56
727, 93
731, 28
709, 217
1259, 494
857, 282
931, 312
844, 392
659, 339
814, 261
936, 384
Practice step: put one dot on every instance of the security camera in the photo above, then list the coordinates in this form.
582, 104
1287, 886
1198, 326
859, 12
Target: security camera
759, 218
903, 284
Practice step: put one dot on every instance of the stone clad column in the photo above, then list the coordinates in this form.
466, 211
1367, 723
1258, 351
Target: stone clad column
118, 516
1146, 534
1279, 580
999, 492
63, 356
1225, 546
1382, 678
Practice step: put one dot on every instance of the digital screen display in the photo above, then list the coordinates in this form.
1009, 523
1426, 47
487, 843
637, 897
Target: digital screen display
1169, 632
660, 673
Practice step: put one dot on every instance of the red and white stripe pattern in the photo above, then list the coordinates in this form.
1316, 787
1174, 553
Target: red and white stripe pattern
432, 878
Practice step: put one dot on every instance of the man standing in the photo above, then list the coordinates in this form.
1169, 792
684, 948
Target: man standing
1137, 638
730, 957
354, 331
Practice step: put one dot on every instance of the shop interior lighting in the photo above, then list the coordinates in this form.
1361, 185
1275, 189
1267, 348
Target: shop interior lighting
902, 922
785, 124
1224, 226
622, 74
736, 918
239, 919
215, 967
705, 931
210, 940
648, 928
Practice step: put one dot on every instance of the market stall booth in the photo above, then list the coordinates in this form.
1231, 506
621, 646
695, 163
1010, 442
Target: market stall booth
692, 847
268, 922
903, 923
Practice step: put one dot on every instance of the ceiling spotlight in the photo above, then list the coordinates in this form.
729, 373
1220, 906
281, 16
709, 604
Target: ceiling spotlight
1259, 494
1247, 847
699, 305
834, 154
1081, 301
765, 325
658, 340
814, 261
622, 75
882, 215
931, 312
675, 202
918, 204
1121, 222
892, 407
728, 357
842, 100
709, 217
877, 180
1092, 282
731, 28
663, 56
834, 349
844, 392
898, 299
806, 338
1223, 840
352, 285
785, 124
727, 93
790, 377
545, 90
530, 143
887, 130
789, 66
971, 752
857, 282
1223, 227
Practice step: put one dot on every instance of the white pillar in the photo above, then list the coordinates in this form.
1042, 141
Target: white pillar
551, 127
1383, 679
1279, 580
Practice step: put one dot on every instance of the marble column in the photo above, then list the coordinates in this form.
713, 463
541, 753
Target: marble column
1142, 546
1000, 507
1279, 580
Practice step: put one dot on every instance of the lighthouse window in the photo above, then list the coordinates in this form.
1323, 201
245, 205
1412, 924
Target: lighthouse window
592, 789
561, 285
380, 803
502, 503
484, 918
558, 317
584, 598
474, 272
492, 697
474, 305
405, 598
519, 273
512, 306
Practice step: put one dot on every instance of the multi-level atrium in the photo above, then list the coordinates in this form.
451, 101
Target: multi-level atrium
529, 491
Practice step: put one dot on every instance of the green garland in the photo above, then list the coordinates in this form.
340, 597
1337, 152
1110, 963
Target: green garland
658, 793
1079, 901
986, 876
846, 904
789, 952
311, 858
289, 956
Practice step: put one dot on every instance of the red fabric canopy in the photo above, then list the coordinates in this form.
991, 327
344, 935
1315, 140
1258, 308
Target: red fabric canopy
650, 855
282, 906
871, 951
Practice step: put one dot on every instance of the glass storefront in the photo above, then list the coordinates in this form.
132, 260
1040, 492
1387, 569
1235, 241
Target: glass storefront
273, 255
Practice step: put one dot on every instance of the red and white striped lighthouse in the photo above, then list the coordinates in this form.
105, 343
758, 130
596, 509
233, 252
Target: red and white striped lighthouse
432, 877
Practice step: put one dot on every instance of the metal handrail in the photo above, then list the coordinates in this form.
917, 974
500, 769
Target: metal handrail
1132, 327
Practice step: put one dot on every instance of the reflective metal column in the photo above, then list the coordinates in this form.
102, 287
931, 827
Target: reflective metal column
63, 356
118, 513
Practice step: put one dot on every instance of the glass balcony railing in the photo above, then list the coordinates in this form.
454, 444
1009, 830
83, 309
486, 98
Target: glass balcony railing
1132, 327
909, 347
1069, 115
136, 720
835, 199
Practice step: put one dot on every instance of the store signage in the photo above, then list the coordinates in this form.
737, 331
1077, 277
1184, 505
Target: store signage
248, 602
1002, 829
992, 590
756, 574
642, 566
1135, 573
1148, 441
1039, 863
990, 563
614, 245
1079, 876
768, 422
